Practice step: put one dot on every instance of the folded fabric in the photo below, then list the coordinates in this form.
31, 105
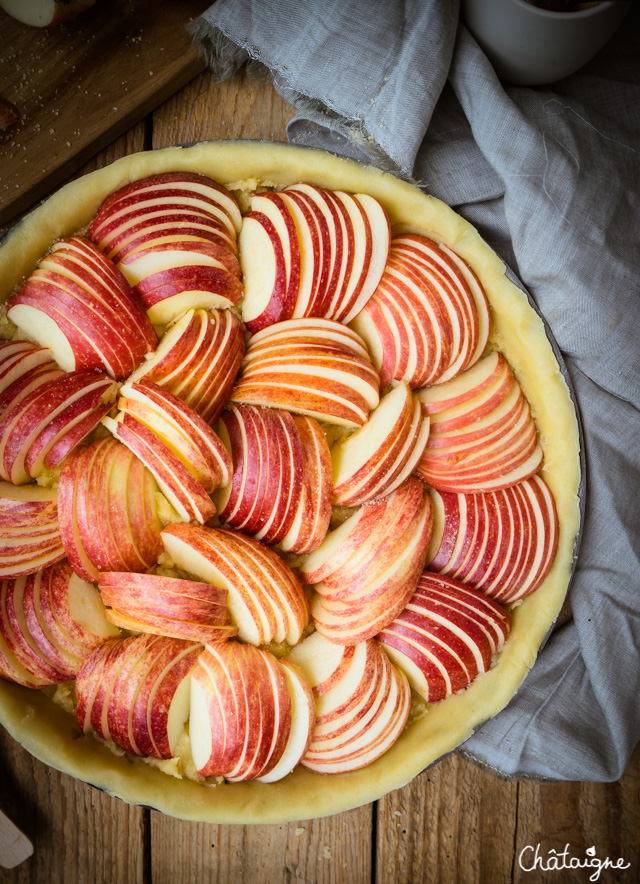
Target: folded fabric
550, 178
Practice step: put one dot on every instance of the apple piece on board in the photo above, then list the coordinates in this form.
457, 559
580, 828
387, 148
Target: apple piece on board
265, 600
313, 514
241, 712
29, 529
51, 621
107, 509
45, 425
45, 13
78, 305
377, 458
198, 360
501, 543
447, 635
19, 357
303, 719
166, 606
308, 366
266, 451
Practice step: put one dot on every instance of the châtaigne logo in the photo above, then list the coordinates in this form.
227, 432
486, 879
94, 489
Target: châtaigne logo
532, 858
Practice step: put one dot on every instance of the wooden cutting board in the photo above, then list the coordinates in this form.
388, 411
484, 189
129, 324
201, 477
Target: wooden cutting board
81, 85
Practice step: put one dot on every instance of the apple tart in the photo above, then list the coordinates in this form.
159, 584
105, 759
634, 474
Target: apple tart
290, 482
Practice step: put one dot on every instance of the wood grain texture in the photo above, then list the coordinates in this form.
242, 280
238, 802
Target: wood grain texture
334, 850
78, 86
441, 828
79, 834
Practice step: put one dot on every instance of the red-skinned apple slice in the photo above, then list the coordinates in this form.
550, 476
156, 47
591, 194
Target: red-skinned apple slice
78, 306
29, 529
19, 357
168, 293
198, 359
264, 272
447, 635
266, 601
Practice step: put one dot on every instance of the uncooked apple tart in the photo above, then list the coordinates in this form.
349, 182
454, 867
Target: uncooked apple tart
289, 479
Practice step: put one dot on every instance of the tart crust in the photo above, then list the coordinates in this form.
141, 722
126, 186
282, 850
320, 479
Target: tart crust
52, 735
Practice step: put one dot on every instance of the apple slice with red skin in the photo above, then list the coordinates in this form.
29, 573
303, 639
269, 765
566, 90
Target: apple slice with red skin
241, 712
51, 621
168, 293
313, 514
378, 457
19, 357
265, 600
44, 426
78, 305
266, 451
198, 360
178, 484
307, 367
29, 529
303, 718
446, 636
502, 543
182, 430
154, 258
116, 527
166, 606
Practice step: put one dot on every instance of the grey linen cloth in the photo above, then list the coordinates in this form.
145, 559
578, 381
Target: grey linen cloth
551, 178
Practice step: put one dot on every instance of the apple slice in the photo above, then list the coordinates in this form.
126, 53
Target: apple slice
79, 306
51, 621
241, 712
168, 293
107, 509
166, 606
309, 367
19, 357
263, 495
446, 636
313, 514
198, 359
266, 601
29, 530
378, 457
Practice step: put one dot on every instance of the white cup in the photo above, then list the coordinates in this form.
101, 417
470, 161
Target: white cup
529, 46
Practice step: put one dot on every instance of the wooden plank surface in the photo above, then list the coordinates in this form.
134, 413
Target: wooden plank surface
78, 86
453, 824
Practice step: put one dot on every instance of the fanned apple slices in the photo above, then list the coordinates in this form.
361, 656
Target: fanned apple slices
446, 636
107, 510
135, 692
265, 600
316, 367
45, 419
29, 529
184, 454
367, 568
50, 622
280, 491
428, 319
482, 434
18, 358
173, 236
309, 251
362, 702
503, 543
198, 359
78, 305
166, 606
378, 457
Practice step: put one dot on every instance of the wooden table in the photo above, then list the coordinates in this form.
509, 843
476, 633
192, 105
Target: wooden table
454, 823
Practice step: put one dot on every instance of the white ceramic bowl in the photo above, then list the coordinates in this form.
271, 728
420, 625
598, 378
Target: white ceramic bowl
529, 46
